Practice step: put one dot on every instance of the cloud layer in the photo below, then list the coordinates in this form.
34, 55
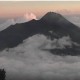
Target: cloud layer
28, 61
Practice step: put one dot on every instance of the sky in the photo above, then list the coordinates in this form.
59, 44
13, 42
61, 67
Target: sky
17, 8
29, 59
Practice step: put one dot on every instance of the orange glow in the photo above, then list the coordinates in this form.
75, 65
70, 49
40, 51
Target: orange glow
30, 16
14, 8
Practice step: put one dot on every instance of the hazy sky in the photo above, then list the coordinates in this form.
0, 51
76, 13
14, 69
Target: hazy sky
18, 8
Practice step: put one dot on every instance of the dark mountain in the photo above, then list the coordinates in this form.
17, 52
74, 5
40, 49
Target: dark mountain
62, 26
15, 34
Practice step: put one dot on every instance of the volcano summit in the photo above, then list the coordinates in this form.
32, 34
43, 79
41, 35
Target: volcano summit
52, 25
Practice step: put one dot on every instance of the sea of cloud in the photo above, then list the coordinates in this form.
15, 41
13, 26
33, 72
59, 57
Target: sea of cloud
28, 61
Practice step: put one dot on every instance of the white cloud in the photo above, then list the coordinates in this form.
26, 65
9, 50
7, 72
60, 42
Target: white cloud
29, 61
30, 16
26, 17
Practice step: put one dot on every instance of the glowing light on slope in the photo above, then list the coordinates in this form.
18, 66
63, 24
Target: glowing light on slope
30, 16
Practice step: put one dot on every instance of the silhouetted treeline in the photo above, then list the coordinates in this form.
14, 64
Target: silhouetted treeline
2, 74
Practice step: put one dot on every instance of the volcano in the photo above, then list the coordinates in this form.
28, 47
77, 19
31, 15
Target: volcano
52, 25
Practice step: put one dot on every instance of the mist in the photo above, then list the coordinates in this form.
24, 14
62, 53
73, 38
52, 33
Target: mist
28, 61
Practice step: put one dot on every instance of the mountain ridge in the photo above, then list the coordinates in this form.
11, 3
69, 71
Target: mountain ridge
58, 25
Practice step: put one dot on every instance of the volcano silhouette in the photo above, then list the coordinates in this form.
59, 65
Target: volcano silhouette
15, 34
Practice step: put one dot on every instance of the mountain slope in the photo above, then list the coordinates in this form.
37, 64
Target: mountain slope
52, 25
59, 23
